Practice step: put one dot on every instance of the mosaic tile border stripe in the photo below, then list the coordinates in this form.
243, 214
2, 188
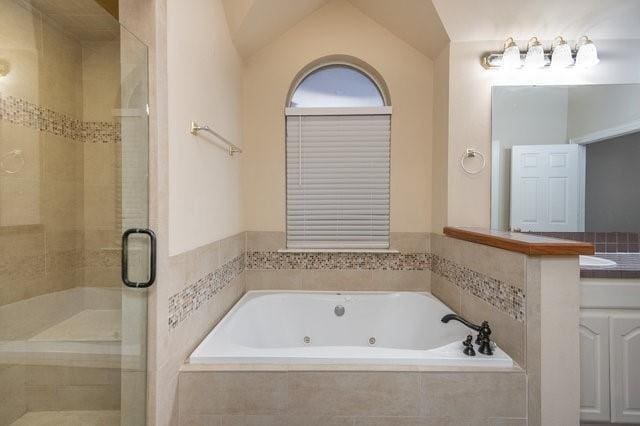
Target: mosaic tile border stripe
313, 260
23, 113
502, 296
183, 304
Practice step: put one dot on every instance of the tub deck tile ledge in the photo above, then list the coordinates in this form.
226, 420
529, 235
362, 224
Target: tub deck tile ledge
187, 367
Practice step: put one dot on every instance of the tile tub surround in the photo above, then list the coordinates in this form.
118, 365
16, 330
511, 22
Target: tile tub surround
411, 269
270, 269
192, 297
478, 281
483, 283
187, 273
351, 397
201, 274
546, 343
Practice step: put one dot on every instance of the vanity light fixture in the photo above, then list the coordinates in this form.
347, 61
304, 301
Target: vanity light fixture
587, 55
511, 56
561, 56
535, 54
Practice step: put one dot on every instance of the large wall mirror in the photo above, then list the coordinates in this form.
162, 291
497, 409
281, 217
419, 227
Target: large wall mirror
566, 159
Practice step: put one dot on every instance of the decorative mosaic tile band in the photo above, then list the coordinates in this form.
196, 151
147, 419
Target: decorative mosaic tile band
101, 132
502, 296
23, 113
313, 260
191, 298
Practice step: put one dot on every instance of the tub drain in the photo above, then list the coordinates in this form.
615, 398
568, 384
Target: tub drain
307, 339
372, 341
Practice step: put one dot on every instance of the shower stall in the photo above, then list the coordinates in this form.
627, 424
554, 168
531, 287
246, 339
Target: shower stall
73, 178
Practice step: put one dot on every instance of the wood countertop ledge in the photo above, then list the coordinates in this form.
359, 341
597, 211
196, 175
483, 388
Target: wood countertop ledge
529, 244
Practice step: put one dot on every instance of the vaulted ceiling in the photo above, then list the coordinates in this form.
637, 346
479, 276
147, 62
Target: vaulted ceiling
256, 23
428, 25
475, 20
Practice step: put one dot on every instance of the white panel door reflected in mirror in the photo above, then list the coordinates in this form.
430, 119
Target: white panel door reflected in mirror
566, 158
546, 191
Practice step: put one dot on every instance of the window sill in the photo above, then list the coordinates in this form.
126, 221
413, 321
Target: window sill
383, 251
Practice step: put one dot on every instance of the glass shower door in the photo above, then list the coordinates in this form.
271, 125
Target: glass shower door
73, 178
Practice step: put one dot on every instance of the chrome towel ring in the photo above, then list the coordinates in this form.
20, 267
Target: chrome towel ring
472, 153
10, 157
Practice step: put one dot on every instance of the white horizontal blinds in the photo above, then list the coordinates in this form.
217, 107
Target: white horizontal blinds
338, 181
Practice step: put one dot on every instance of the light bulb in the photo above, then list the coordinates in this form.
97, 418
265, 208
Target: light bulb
535, 54
587, 55
561, 56
511, 55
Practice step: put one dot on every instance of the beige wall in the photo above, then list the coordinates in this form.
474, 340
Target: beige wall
337, 28
194, 186
204, 79
470, 112
615, 106
440, 141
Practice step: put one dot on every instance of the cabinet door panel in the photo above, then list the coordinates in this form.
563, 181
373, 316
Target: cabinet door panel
625, 368
594, 367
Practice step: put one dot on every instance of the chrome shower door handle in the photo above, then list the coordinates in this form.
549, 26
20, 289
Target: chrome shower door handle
125, 257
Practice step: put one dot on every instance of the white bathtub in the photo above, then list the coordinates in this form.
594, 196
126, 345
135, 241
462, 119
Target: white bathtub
302, 327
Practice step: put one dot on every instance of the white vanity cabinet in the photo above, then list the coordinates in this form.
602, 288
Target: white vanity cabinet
610, 351
625, 367
595, 401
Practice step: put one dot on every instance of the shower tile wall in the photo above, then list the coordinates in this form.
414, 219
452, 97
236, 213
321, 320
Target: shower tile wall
41, 204
62, 207
58, 212
102, 165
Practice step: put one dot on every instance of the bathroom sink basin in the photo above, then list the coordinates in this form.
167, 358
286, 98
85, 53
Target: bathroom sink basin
596, 261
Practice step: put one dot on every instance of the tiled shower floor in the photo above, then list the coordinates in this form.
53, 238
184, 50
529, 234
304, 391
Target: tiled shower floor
69, 418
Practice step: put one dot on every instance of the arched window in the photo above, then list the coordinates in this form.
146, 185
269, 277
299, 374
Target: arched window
338, 125
337, 86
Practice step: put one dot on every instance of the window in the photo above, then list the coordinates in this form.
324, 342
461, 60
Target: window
337, 86
338, 144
